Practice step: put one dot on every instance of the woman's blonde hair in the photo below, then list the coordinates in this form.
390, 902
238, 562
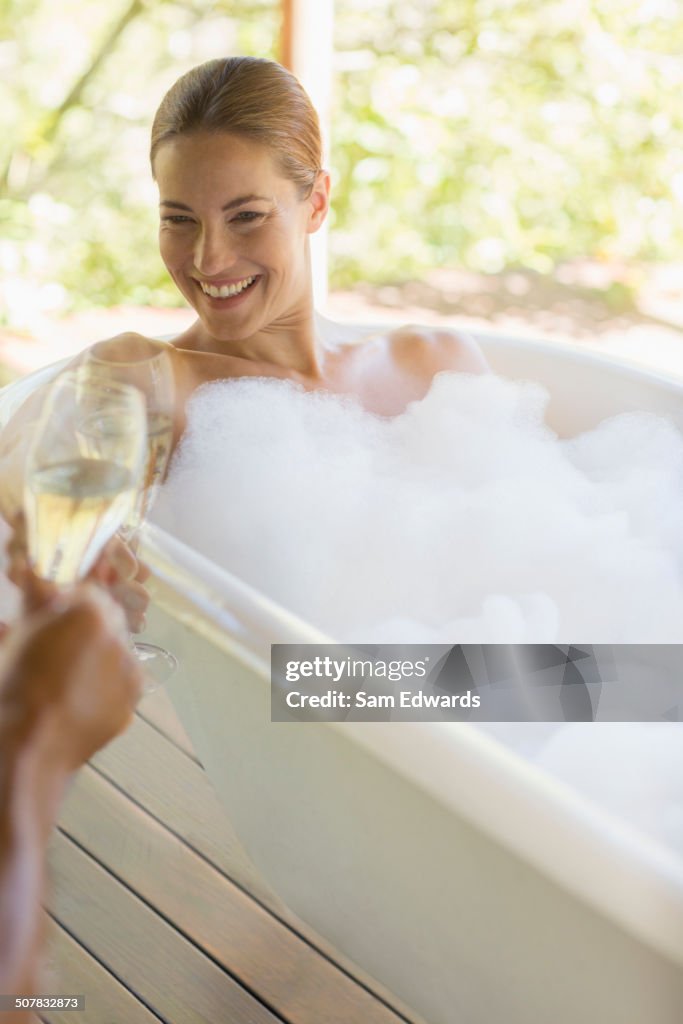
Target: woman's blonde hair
248, 96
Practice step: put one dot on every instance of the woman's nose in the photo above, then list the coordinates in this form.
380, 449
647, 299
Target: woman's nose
213, 252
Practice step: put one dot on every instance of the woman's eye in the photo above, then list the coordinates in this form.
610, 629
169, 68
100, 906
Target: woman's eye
176, 218
247, 217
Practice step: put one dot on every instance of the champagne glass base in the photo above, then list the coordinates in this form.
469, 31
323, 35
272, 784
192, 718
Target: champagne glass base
157, 663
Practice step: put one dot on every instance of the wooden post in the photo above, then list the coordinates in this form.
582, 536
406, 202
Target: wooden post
286, 56
307, 50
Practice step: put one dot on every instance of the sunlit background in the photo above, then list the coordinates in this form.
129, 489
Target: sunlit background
512, 164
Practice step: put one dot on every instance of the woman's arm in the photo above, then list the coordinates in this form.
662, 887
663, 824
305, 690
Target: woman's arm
68, 684
31, 787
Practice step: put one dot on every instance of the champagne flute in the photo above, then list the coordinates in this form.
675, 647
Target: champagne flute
75, 499
146, 364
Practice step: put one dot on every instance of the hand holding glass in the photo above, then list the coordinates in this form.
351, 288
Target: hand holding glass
83, 473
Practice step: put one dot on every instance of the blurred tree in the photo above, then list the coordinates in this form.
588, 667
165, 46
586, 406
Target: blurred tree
474, 133
78, 91
495, 133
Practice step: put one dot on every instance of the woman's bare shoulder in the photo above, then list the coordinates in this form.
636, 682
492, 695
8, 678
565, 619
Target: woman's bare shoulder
134, 346
131, 338
433, 349
407, 341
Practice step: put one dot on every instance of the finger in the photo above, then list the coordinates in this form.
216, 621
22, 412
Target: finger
139, 624
133, 678
134, 600
17, 570
16, 542
38, 593
16, 549
103, 573
18, 524
144, 572
121, 559
111, 611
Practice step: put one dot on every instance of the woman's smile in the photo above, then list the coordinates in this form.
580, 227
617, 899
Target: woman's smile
226, 294
233, 233
225, 289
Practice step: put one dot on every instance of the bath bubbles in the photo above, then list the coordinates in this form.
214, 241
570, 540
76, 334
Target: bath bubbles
465, 519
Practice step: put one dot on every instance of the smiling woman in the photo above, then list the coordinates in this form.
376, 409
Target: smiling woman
238, 250
236, 153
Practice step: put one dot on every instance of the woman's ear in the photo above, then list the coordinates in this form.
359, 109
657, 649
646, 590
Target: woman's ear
319, 202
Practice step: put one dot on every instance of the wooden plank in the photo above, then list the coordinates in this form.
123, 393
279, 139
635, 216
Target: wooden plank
168, 973
73, 970
262, 953
157, 710
175, 789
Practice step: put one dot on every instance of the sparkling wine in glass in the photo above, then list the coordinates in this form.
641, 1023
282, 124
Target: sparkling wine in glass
76, 499
147, 365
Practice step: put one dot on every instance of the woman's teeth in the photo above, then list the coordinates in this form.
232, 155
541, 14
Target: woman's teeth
226, 290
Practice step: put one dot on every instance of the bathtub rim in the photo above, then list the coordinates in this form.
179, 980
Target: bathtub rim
624, 367
335, 331
587, 850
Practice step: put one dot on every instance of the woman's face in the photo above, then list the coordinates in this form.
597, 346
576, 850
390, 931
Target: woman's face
233, 232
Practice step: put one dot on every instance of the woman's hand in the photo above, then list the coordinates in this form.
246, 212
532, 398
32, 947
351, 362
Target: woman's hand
35, 592
117, 570
70, 682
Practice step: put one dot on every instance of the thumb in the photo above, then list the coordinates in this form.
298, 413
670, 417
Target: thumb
38, 593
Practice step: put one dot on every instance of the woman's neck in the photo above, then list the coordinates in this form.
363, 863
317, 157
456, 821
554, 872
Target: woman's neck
288, 343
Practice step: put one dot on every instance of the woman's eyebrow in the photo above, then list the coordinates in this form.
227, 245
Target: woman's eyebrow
245, 199
174, 204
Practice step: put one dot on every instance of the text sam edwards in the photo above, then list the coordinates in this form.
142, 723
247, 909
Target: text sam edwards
362, 699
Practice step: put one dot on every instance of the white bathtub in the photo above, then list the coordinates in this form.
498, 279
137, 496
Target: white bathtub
471, 886
467, 883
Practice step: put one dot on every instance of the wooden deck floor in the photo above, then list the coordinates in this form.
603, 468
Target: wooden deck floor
155, 913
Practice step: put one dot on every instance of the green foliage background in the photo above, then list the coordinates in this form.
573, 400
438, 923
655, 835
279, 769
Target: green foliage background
466, 133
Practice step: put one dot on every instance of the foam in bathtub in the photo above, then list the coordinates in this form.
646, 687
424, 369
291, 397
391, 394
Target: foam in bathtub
465, 518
